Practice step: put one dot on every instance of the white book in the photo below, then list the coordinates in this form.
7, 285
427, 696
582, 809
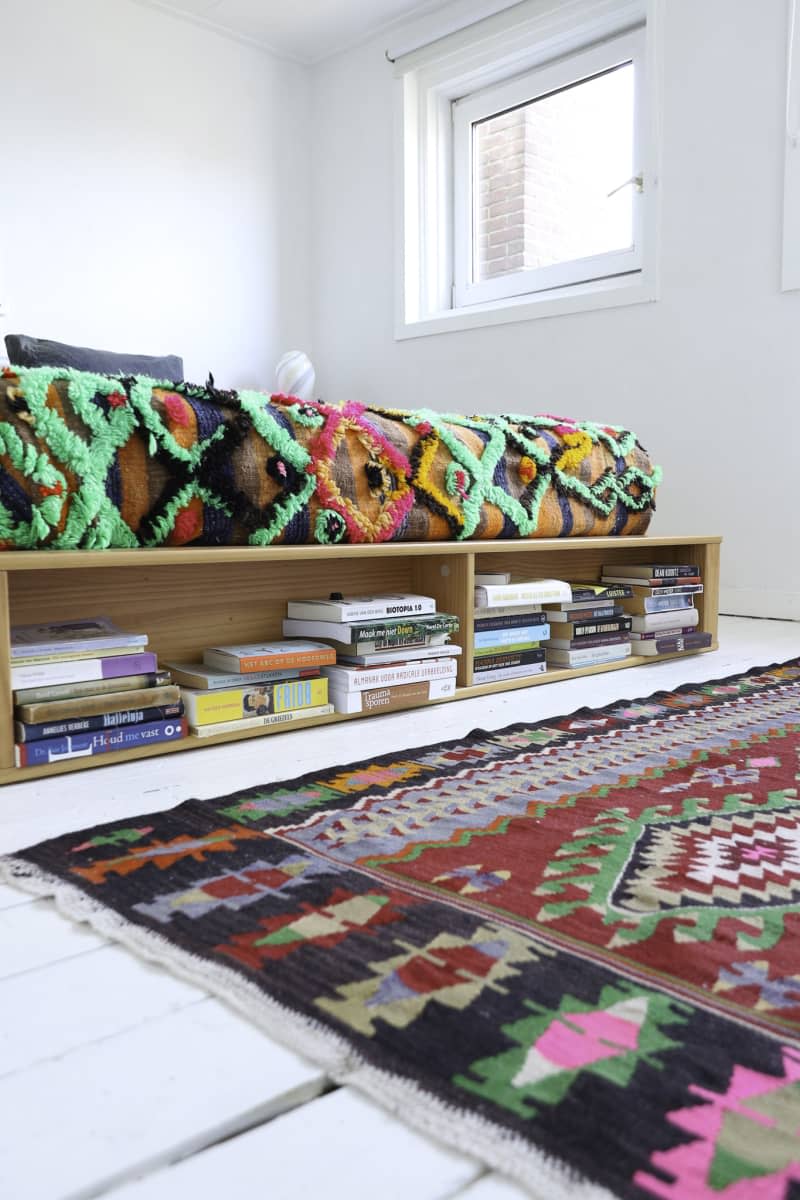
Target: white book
360, 608
499, 673
356, 679
533, 591
492, 578
290, 717
379, 658
590, 657
480, 612
686, 617
394, 698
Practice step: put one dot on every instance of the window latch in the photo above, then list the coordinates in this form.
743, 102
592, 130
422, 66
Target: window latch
636, 180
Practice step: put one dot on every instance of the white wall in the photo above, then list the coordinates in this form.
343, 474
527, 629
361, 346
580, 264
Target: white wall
709, 376
154, 188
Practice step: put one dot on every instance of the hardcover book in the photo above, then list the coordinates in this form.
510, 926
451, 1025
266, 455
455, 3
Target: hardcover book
360, 608
79, 669
269, 656
400, 695
388, 630
290, 717
94, 706
25, 732
207, 707
87, 745
91, 687
90, 635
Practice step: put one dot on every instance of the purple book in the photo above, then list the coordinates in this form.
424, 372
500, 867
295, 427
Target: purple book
77, 670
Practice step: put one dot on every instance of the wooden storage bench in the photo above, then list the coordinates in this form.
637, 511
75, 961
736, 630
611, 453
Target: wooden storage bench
193, 597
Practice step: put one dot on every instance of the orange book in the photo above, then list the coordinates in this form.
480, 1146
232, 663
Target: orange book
270, 656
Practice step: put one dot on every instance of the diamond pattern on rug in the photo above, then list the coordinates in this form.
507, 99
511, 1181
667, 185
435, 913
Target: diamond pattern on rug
571, 946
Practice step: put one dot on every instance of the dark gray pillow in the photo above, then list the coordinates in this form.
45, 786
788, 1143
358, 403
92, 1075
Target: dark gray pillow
26, 351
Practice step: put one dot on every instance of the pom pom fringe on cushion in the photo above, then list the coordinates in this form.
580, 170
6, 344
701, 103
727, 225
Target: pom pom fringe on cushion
90, 462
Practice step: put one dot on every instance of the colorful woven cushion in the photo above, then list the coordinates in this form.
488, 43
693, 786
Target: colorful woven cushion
92, 462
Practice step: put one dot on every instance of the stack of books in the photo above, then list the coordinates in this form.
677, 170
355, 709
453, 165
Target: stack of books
510, 625
661, 606
244, 687
85, 687
389, 651
590, 628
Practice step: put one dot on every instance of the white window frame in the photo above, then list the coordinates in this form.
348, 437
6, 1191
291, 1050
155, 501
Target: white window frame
530, 36
535, 85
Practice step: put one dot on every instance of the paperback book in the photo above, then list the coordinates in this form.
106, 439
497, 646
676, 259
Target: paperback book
590, 656
510, 648
639, 605
520, 658
487, 639
401, 695
498, 674
25, 732
392, 655
356, 679
207, 707
31, 660
533, 591
596, 592
509, 620
387, 632
483, 613
360, 608
89, 636
583, 612
291, 717
79, 669
573, 629
260, 656
88, 745
579, 643
651, 570
696, 640
678, 631
653, 581
665, 620
206, 678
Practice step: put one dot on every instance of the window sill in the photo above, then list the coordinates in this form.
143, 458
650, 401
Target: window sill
605, 293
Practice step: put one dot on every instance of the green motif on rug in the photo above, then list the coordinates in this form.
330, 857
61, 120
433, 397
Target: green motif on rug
554, 1048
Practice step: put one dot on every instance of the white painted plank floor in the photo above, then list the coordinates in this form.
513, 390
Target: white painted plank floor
119, 1080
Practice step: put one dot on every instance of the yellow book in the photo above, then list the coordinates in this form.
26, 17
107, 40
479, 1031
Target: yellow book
210, 707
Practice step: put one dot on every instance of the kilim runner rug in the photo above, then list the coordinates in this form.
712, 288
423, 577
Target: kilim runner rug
571, 949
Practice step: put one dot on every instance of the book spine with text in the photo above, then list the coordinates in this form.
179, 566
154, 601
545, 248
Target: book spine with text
489, 638
497, 674
401, 695
25, 732
356, 679
573, 629
519, 659
590, 657
88, 745
290, 717
78, 670
92, 687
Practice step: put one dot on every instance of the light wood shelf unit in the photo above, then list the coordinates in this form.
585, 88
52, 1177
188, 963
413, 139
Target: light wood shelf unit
189, 598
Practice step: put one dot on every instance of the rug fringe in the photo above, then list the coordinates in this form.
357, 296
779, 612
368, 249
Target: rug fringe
539, 1173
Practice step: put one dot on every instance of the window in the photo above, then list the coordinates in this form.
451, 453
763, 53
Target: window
528, 159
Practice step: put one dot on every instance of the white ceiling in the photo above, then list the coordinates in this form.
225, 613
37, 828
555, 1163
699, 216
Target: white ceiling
304, 30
